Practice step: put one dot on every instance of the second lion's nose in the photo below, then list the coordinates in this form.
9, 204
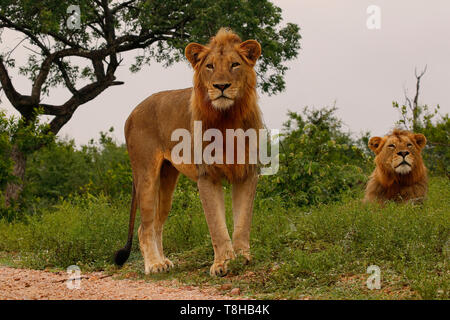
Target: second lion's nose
403, 153
222, 87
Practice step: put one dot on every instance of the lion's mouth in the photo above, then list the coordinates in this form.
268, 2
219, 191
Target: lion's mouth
403, 163
223, 102
224, 97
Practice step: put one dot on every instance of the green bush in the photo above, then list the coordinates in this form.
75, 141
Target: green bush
318, 161
6, 163
61, 170
437, 151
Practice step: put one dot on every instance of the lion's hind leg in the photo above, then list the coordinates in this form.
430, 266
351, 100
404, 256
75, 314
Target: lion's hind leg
147, 187
168, 181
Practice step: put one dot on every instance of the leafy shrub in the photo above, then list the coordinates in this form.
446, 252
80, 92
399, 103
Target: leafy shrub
435, 126
60, 170
6, 163
318, 161
21, 138
437, 151
111, 170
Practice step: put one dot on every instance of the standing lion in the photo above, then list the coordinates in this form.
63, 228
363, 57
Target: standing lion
400, 174
223, 97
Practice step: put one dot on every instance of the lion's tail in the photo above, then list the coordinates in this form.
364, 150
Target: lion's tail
121, 256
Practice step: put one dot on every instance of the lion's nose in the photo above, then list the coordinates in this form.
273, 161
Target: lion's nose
222, 87
403, 153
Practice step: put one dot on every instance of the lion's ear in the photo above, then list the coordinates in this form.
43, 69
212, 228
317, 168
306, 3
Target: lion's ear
420, 140
193, 51
251, 50
375, 143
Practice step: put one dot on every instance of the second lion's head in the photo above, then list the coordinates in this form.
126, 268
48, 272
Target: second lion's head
399, 153
224, 71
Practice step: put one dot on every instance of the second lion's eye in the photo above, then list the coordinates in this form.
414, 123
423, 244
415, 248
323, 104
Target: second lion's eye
235, 64
409, 145
392, 146
209, 66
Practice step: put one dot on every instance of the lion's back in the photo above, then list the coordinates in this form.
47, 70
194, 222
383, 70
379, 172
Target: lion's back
160, 113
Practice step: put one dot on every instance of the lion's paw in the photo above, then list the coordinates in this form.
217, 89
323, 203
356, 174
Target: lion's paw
219, 269
168, 263
245, 254
157, 268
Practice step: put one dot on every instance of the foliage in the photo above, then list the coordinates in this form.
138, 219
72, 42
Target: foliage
6, 163
318, 161
421, 118
61, 170
437, 151
26, 136
436, 127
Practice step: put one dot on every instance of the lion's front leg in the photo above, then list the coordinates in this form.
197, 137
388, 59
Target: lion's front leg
211, 195
243, 198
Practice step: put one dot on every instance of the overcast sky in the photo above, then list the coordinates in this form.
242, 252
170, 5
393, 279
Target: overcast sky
341, 61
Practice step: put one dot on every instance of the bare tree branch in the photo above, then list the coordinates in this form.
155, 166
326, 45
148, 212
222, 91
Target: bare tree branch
66, 78
418, 77
121, 6
13, 96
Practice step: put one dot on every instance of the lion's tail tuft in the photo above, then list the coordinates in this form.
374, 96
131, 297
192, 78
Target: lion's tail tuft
121, 256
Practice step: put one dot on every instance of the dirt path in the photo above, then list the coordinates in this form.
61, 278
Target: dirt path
34, 284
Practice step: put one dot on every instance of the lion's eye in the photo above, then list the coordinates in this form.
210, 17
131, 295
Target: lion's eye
235, 64
409, 145
210, 66
392, 146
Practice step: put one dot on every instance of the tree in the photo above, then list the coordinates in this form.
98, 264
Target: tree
96, 32
420, 118
411, 111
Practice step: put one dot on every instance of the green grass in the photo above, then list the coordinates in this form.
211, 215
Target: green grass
319, 252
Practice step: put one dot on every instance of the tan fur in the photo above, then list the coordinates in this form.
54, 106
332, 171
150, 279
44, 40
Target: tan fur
148, 135
400, 174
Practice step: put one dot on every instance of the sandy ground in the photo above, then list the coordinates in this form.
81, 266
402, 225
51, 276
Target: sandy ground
19, 284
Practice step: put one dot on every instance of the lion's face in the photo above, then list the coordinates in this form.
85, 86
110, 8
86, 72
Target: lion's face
224, 68
398, 153
223, 76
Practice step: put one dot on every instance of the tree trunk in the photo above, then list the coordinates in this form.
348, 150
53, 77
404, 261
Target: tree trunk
13, 189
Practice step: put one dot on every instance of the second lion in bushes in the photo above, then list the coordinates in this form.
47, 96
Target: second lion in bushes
400, 174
